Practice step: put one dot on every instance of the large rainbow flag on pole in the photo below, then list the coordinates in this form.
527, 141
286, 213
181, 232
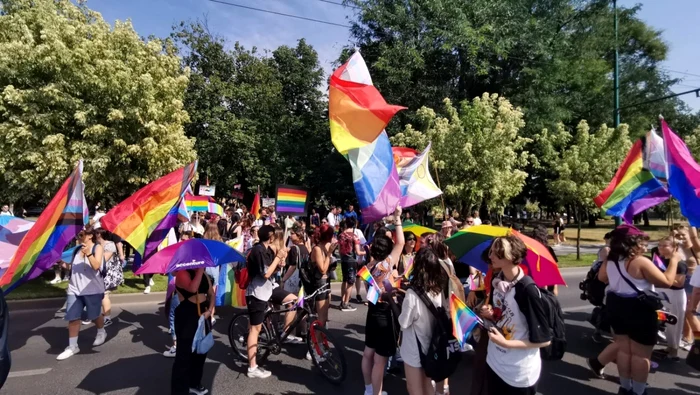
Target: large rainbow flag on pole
633, 189
414, 176
58, 224
683, 175
144, 219
358, 115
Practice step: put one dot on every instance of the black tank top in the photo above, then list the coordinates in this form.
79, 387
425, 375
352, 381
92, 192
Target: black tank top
203, 286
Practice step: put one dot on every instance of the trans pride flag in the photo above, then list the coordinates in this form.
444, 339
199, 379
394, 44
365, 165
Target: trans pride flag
633, 189
144, 219
464, 320
358, 115
58, 224
683, 175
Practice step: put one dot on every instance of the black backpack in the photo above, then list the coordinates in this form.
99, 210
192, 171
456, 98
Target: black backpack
555, 317
593, 289
444, 353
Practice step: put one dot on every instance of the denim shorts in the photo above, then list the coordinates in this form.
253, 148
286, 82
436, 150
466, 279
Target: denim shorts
174, 302
83, 307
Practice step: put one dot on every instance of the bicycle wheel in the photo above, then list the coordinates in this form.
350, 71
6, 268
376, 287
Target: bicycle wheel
238, 338
326, 355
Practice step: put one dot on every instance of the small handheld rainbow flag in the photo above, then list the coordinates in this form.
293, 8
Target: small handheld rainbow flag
373, 291
291, 200
300, 298
463, 319
658, 262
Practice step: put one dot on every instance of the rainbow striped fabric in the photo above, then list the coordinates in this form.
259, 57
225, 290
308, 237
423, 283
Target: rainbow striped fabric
300, 298
228, 292
358, 115
414, 176
58, 224
683, 175
197, 203
464, 320
373, 291
633, 189
291, 200
144, 219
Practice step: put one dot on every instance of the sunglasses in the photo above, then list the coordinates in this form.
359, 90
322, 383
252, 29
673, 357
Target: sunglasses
470, 222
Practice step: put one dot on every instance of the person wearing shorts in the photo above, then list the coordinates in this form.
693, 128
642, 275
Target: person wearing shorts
262, 266
86, 290
350, 250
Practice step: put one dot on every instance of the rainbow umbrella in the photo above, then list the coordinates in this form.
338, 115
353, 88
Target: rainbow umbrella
471, 244
416, 229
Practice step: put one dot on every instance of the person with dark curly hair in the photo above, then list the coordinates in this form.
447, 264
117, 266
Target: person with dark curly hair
634, 323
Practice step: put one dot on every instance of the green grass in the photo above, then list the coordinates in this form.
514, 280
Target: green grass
40, 287
570, 260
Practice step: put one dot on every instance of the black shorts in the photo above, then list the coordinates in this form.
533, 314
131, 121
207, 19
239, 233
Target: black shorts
349, 270
380, 329
630, 317
496, 385
256, 309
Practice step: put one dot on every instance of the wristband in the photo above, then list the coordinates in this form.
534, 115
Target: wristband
89, 255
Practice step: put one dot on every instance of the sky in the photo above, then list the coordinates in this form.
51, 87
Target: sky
676, 18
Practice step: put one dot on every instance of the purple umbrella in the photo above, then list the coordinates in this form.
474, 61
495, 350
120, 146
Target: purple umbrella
190, 254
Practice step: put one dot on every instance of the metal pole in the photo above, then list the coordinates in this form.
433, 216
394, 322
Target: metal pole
616, 85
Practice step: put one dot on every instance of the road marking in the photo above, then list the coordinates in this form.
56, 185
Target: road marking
25, 373
578, 308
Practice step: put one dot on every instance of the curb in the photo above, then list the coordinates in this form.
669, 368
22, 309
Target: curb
56, 303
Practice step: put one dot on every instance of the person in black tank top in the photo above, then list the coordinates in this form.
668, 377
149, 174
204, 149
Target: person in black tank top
196, 298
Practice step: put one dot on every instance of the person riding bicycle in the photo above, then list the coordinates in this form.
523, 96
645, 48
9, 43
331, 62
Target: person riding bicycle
262, 265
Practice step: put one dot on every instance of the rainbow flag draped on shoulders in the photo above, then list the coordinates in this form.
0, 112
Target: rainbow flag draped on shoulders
633, 189
358, 115
57, 226
144, 219
683, 175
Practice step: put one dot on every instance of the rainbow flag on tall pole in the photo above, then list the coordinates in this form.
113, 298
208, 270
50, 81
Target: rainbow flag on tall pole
633, 189
144, 219
58, 224
358, 115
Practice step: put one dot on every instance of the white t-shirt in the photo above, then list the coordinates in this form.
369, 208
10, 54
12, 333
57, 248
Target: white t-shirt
695, 278
477, 221
416, 320
516, 367
331, 219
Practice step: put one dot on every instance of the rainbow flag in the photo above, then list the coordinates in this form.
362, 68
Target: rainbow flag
255, 206
414, 176
464, 320
228, 292
197, 203
216, 208
373, 292
409, 268
633, 189
57, 226
144, 219
358, 115
291, 200
683, 175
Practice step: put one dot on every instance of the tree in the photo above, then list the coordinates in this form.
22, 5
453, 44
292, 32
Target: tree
581, 164
693, 142
71, 87
477, 150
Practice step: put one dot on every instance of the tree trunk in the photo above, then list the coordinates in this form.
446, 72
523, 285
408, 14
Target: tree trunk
591, 220
578, 236
645, 218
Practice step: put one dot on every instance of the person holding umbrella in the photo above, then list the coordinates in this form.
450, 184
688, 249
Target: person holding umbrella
193, 289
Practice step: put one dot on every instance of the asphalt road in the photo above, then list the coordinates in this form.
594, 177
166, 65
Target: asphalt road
130, 362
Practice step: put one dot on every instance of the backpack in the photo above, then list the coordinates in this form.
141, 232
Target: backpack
308, 273
346, 244
593, 289
443, 354
240, 274
555, 317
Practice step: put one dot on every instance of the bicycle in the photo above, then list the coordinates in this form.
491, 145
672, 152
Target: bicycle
325, 355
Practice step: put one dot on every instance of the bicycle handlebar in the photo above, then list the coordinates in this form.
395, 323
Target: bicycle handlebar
323, 289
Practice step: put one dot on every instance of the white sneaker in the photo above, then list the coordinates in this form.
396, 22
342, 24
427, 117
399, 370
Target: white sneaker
147, 290
86, 322
685, 345
67, 353
170, 353
107, 322
291, 339
258, 373
308, 356
100, 339
55, 280
151, 283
